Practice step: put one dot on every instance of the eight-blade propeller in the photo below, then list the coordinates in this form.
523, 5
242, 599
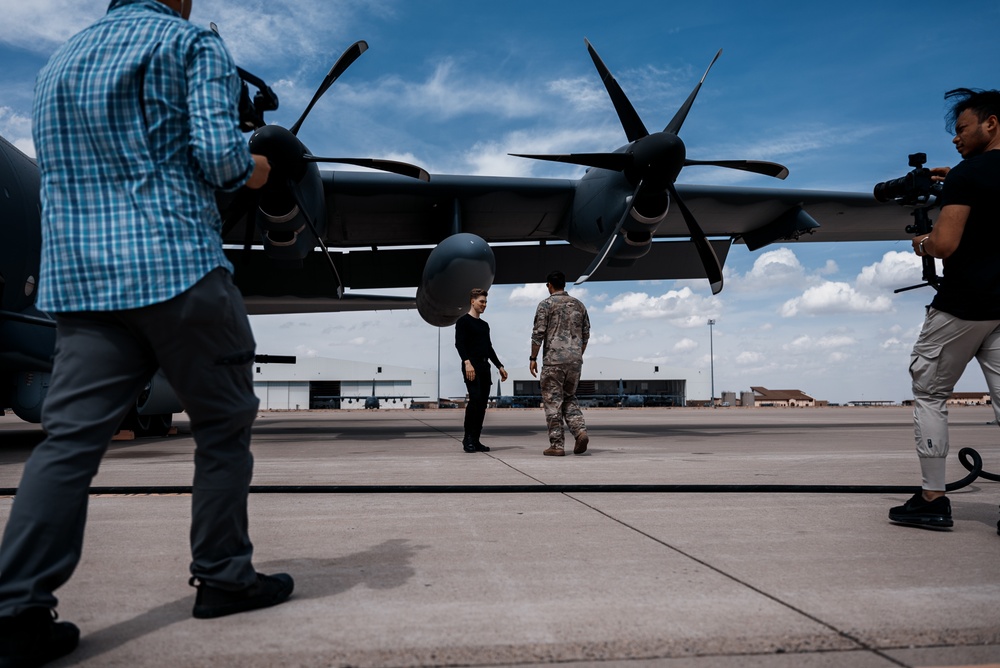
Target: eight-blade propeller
653, 161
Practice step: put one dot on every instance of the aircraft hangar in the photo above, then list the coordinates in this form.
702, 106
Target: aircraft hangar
289, 383
606, 381
322, 382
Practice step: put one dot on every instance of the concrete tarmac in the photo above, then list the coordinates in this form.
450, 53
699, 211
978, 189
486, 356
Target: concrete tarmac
616, 580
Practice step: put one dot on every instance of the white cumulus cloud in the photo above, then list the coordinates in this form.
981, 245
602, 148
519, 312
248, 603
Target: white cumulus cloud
894, 270
532, 293
830, 298
683, 308
775, 268
685, 345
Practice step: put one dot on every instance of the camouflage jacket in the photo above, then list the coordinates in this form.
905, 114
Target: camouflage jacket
563, 326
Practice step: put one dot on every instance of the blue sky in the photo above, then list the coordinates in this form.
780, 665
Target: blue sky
840, 94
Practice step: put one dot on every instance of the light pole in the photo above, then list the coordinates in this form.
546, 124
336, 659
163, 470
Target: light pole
437, 402
711, 357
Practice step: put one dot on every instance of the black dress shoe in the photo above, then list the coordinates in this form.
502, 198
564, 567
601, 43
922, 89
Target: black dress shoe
34, 638
481, 448
467, 444
216, 602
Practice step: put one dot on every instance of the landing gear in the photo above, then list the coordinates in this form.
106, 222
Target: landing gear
147, 426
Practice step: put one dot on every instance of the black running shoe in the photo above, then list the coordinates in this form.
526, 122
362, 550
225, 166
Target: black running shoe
918, 512
215, 602
34, 638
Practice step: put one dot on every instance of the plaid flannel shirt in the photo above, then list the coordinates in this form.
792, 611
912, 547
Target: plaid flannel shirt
135, 124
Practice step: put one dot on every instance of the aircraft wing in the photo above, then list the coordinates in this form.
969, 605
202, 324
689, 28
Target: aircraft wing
366, 209
738, 211
381, 228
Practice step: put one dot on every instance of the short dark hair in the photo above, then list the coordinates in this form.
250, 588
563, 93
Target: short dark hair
475, 293
556, 279
983, 103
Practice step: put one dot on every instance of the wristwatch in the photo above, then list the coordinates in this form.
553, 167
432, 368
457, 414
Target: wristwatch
921, 245
532, 359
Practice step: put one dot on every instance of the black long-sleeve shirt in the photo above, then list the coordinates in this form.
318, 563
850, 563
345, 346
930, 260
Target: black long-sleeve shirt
472, 339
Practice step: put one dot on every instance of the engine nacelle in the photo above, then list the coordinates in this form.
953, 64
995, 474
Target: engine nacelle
158, 398
458, 264
600, 204
645, 214
282, 220
30, 388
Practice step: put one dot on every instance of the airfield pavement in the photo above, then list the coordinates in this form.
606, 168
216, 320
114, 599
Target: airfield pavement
608, 579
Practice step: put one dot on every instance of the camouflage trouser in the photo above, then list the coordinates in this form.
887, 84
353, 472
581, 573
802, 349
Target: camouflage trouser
559, 383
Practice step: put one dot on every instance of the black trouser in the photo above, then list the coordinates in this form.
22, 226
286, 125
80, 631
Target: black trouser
479, 395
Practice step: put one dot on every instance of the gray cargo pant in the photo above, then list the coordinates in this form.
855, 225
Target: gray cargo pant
203, 342
943, 350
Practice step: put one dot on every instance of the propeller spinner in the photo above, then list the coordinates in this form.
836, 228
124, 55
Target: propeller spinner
652, 162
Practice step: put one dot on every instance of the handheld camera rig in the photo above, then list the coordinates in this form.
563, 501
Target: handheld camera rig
918, 190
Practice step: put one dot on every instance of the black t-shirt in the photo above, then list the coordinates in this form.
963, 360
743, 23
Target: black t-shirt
472, 339
970, 287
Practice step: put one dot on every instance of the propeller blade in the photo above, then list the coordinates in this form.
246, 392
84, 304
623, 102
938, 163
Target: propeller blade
293, 186
674, 126
401, 168
603, 254
713, 270
755, 166
634, 128
352, 53
616, 162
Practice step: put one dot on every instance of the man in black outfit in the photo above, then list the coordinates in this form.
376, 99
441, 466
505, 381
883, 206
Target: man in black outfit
472, 339
963, 320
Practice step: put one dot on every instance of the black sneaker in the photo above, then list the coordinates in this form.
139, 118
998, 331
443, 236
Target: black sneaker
918, 512
34, 638
215, 602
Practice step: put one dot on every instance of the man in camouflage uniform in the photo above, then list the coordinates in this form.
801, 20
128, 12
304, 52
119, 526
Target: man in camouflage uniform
562, 324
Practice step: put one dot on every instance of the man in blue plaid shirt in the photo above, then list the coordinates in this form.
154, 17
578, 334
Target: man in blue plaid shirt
135, 128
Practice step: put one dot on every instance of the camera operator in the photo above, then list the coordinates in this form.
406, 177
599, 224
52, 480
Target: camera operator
963, 320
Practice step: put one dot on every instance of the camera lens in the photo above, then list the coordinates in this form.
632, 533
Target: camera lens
894, 189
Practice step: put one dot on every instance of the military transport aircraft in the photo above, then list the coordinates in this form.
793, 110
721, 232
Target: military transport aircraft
308, 235
371, 402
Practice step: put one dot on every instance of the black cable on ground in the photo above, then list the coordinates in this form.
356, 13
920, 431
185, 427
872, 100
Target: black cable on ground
975, 468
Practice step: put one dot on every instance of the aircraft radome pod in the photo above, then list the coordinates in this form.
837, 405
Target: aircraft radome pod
459, 263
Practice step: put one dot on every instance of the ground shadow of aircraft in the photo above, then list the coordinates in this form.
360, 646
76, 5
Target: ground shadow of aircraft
309, 239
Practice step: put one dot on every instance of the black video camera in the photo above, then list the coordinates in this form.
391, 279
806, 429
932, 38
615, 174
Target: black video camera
915, 189
252, 111
912, 189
